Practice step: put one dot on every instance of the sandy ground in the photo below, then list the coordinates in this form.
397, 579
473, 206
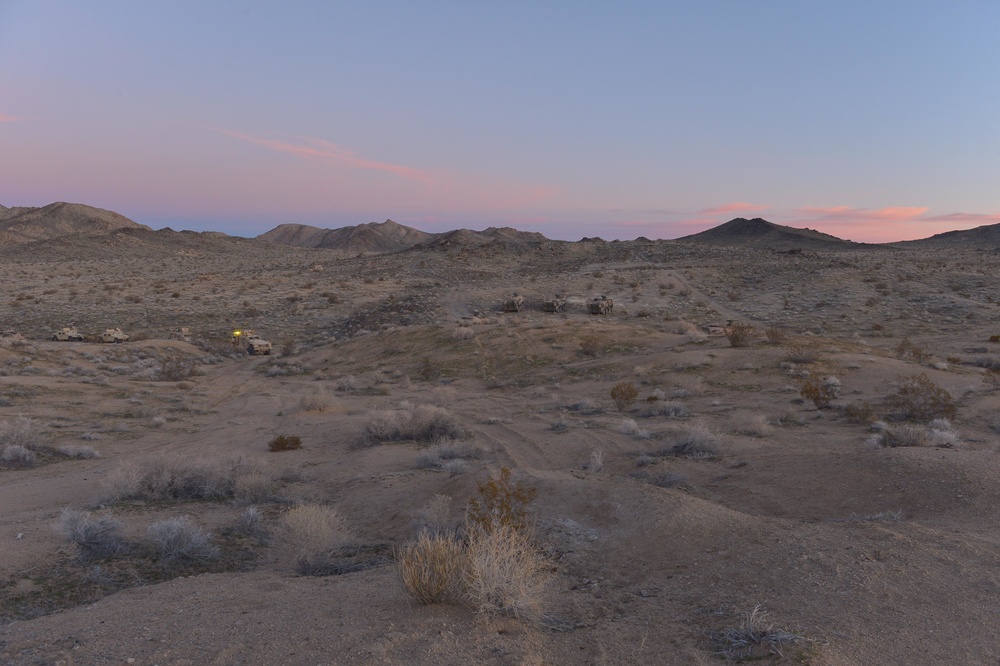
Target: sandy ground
870, 555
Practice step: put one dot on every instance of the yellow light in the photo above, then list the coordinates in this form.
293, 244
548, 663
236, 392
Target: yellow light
236, 333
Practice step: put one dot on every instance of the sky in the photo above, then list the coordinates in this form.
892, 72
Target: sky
872, 120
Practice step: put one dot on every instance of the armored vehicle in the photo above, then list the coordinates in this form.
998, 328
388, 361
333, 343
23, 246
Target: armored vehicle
67, 333
513, 303
557, 304
115, 335
258, 345
601, 306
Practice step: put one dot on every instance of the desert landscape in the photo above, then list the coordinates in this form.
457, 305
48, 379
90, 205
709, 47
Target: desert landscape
778, 446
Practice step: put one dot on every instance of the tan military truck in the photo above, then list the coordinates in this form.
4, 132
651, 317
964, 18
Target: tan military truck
67, 334
114, 335
601, 306
513, 303
257, 345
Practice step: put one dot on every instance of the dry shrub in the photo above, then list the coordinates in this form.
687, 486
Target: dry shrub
432, 567
699, 443
317, 401
908, 351
18, 456
503, 576
177, 479
918, 398
176, 369
180, 539
95, 538
903, 435
423, 423
821, 392
435, 516
740, 334
285, 443
502, 502
624, 394
593, 344
775, 335
22, 431
312, 532
861, 412
77, 451
463, 333
754, 639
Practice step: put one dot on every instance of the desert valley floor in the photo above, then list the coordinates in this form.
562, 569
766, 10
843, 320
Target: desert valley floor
811, 432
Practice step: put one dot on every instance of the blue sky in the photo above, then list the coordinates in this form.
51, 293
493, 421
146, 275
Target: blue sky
869, 120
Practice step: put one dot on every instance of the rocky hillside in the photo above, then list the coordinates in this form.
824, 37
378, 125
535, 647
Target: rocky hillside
761, 233
26, 224
378, 237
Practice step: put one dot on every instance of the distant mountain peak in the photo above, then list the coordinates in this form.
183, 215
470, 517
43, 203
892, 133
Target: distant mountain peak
758, 232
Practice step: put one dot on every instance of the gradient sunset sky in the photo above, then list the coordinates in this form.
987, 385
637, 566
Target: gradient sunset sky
873, 120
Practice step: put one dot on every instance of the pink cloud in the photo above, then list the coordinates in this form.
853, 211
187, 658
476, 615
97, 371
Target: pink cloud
8, 119
324, 150
978, 219
848, 213
735, 207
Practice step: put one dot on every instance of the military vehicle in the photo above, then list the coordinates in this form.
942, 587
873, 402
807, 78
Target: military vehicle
257, 345
513, 303
601, 306
67, 334
557, 304
115, 335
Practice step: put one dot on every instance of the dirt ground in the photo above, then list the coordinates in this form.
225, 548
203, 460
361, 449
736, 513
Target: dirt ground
721, 488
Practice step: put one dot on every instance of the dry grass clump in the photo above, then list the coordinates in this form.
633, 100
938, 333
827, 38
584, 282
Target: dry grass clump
179, 539
938, 432
631, 428
22, 431
181, 479
311, 535
176, 369
755, 638
432, 567
422, 423
918, 398
94, 537
463, 333
670, 410
440, 455
318, 400
754, 425
78, 451
502, 502
503, 575
699, 443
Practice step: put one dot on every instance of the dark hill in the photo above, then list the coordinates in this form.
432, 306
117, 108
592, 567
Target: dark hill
378, 237
984, 237
760, 233
25, 224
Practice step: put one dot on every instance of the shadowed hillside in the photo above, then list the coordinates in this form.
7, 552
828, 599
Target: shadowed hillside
761, 233
377, 237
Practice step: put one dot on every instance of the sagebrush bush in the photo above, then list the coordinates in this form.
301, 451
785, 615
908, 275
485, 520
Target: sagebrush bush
94, 537
918, 398
178, 479
698, 442
422, 423
624, 394
432, 567
318, 400
22, 431
180, 539
17, 455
